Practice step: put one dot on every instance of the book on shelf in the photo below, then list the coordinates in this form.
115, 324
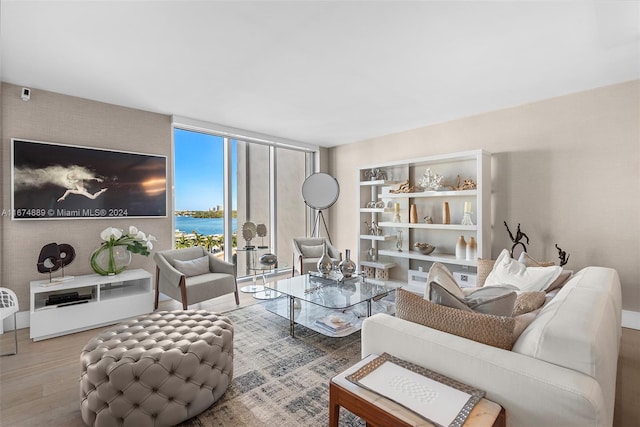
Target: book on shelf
333, 323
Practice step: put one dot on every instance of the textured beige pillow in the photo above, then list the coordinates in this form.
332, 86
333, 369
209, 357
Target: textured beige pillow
193, 267
484, 268
527, 302
496, 331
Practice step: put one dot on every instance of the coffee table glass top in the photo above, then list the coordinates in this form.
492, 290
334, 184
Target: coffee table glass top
330, 293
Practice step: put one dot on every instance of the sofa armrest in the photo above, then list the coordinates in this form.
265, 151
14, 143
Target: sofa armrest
533, 392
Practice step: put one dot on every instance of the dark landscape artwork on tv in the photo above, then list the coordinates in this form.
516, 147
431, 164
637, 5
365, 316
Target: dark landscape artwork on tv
56, 181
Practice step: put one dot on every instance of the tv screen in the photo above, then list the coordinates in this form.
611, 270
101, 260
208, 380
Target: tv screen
58, 181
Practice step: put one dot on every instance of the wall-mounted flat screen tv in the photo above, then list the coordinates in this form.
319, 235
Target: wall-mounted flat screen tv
59, 181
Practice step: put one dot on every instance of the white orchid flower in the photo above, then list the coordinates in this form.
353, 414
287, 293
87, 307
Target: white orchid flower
133, 230
149, 245
151, 238
110, 232
140, 236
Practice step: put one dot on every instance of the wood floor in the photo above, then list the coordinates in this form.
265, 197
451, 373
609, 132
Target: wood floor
39, 386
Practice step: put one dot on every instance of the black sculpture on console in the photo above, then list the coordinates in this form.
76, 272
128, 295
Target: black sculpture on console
517, 240
54, 256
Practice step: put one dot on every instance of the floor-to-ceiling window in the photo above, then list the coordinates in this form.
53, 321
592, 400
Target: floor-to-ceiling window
261, 182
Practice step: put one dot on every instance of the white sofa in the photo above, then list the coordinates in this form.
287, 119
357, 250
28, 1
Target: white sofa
561, 370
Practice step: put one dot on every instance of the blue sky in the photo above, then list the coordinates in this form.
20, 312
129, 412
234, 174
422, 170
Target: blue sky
198, 170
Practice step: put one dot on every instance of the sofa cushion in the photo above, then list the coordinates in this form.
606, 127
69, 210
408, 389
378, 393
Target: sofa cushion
440, 274
193, 267
492, 330
498, 301
508, 271
574, 329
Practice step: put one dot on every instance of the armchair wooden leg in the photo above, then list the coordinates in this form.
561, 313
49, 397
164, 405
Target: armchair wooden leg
157, 288
183, 293
237, 297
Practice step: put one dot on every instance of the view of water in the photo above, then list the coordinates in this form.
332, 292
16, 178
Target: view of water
204, 226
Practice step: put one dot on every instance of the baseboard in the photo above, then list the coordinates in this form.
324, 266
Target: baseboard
631, 319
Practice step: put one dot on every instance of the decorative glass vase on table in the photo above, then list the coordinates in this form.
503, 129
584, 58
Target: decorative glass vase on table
325, 264
113, 256
347, 266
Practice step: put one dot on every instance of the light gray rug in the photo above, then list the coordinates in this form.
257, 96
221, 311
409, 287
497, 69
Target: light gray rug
278, 380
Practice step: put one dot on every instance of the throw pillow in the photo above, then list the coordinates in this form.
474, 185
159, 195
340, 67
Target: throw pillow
531, 262
527, 260
440, 274
314, 251
527, 302
496, 300
193, 267
508, 271
487, 329
484, 268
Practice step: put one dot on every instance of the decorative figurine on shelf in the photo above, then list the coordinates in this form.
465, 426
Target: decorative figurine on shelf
564, 257
431, 180
405, 188
517, 240
373, 229
375, 174
467, 184
428, 220
399, 241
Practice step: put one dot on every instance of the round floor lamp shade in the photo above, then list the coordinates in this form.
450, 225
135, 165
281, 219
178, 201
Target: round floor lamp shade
320, 190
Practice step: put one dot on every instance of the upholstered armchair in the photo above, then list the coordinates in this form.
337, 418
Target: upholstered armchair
308, 250
193, 275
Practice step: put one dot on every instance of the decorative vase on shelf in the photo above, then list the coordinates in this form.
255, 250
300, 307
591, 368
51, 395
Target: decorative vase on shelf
446, 216
325, 265
109, 260
413, 214
399, 241
461, 248
472, 249
347, 266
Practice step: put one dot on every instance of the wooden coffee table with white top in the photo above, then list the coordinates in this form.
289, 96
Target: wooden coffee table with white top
379, 411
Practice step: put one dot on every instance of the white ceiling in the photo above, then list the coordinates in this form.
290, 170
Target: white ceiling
321, 72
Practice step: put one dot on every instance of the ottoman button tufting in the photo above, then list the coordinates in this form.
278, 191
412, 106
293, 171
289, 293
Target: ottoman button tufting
200, 326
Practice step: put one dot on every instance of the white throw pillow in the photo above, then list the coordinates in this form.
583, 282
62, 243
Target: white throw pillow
441, 275
193, 267
508, 271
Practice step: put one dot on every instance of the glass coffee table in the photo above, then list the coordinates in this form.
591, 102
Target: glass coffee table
331, 307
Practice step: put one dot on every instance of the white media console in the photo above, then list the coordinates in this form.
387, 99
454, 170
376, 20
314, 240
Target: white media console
103, 300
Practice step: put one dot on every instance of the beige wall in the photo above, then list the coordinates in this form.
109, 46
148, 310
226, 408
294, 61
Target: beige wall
567, 168
58, 118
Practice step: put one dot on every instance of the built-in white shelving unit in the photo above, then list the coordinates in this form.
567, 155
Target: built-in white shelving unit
474, 165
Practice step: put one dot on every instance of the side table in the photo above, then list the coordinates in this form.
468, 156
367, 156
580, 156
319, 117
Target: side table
379, 411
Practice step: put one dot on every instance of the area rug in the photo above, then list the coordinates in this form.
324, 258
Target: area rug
279, 380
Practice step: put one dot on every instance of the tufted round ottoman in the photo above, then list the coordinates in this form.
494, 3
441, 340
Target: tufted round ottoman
156, 370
